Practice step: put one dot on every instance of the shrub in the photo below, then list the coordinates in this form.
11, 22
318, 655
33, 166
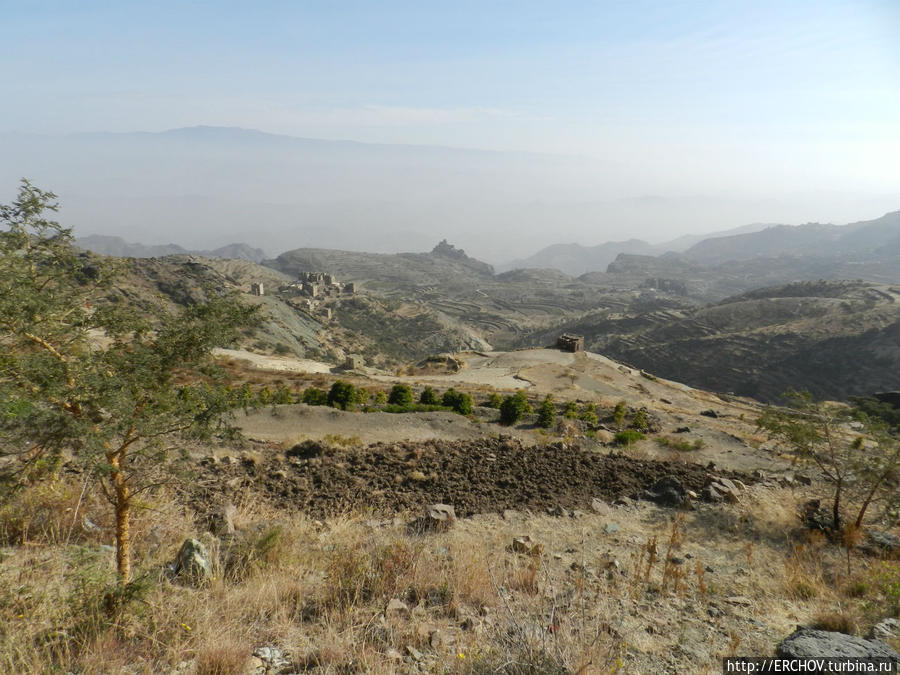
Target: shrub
283, 396
619, 413
342, 395
401, 394
459, 401
380, 398
589, 414
494, 401
514, 408
546, 413
628, 437
570, 410
428, 397
315, 396
640, 421
678, 444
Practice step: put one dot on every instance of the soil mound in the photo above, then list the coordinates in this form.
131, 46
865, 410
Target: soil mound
479, 476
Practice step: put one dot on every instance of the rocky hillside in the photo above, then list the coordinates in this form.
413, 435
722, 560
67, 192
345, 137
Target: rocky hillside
836, 339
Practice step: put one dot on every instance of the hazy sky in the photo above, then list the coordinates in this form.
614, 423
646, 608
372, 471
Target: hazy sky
736, 97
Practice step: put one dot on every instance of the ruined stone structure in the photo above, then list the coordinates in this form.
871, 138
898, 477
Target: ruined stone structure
570, 343
257, 289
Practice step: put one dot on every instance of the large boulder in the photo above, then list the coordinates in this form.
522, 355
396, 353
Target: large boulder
808, 643
667, 491
193, 562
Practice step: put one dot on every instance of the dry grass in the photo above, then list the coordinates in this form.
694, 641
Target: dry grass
319, 590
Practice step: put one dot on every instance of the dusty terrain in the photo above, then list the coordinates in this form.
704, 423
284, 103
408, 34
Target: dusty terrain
561, 559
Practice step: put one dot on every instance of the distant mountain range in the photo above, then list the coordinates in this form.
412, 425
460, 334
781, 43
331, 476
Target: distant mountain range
116, 246
575, 259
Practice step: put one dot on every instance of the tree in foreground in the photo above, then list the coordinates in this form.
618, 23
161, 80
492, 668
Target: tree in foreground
514, 408
856, 454
342, 395
401, 394
460, 401
428, 396
88, 379
546, 413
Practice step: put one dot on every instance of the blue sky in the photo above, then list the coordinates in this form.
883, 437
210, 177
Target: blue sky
800, 95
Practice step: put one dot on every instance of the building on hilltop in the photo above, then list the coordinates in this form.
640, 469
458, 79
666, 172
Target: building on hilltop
570, 343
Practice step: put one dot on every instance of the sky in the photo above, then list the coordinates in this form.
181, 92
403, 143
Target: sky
739, 98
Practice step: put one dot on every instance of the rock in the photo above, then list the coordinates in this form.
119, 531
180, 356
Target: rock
394, 655
880, 543
525, 544
709, 413
414, 653
884, 629
193, 562
667, 491
739, 600
438, 640
803, 480
808, 643
274, 659
396, 607
675, 560
683, 430
222, 521
711, 494
557, 511
610, 528
441, 516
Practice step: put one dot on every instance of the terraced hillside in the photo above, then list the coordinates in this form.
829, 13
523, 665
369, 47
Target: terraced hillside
834, 338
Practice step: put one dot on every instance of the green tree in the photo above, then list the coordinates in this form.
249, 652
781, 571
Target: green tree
380, 397
283, 396
315, 396
639, 421
546, 413
861, 467
428, 397
494, 401
461, 402
401, 394
570, 411
514, 408
619, 413
342, 395
83, 375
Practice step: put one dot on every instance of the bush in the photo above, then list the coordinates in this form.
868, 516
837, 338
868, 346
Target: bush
628, 437
459, 401
428, 397
546, 413
640, 421
342, 395
678, 444
570, 411
494, 401
315, 396
380, 398
589, 414
401, 394
283, 396
514, 408
619, 413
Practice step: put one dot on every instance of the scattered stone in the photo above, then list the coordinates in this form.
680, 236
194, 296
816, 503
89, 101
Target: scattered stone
273, 659
709, 569
600, 506
525, 544
396, 607
557, 512
808, 643
610, 528
193, 562
394, 655
667, 491
882, 544
739, 600
438, 517
803, 480
709, 413
884, 629
414, 653
222, 521
438, 640
715, 612
683, 430
675, 560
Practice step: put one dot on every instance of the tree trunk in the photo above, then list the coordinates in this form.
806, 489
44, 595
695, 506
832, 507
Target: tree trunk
123, 518
836, 508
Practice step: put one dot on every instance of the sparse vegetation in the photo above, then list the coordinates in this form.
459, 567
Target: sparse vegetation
546, 413
680, 444
428, 397
628, 437
401, 395
342, 395
513, 408
458, 401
